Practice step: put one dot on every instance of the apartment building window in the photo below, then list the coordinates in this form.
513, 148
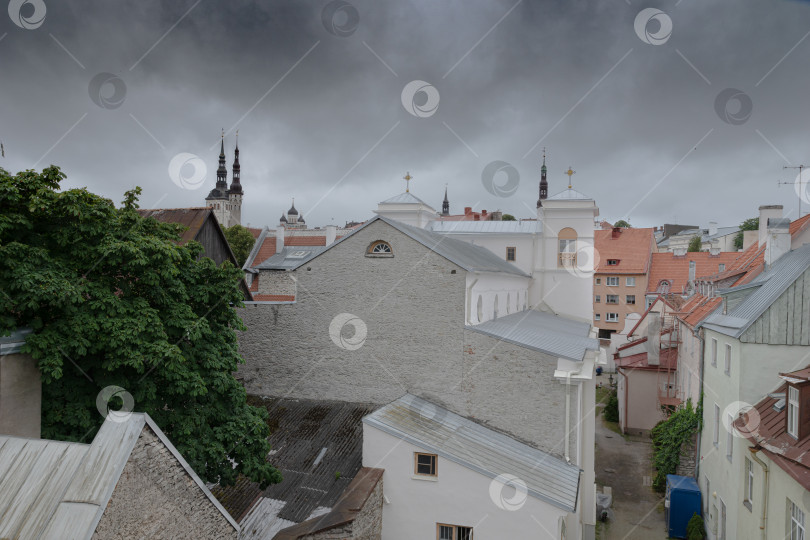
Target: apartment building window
596, 316
793, 412
728, 359
796, 522
749, 484
716, 438
630, 299
598, 298
630, 282
714, 352
453, 532
612, 281
510, 253
424, 464
598, 281
612, 317
730, 438
612, 299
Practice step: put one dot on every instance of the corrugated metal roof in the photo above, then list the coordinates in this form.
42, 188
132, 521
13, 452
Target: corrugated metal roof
771, 284
53, 489
542, 332
570, 194
405, 198
510, 227
291, 257
480, 449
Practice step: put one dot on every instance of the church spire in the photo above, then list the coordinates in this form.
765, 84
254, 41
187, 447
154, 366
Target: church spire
236, 186
543, 182
222, 172
445, 203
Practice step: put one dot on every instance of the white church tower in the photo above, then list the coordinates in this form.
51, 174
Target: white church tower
407, 208
227, 202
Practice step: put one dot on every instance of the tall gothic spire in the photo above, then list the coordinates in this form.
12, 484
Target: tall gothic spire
236, 186
222, 172
445, 203
543, 182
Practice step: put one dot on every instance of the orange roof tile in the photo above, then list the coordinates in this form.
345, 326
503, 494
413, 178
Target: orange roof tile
274, 297
255, 232
666, 266
668, 359
293, 240
698, 308
266, 250
797, 224
254, 285
631, 247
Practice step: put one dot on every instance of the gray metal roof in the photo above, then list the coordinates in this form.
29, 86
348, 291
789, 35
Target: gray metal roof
542, 332
470, 257
291, 257
570, 194
496, 227
768, 287
405, 198
14, 342
52, 489
478, 448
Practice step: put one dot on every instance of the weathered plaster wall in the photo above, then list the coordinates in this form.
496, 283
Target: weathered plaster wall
20, 396
156, 498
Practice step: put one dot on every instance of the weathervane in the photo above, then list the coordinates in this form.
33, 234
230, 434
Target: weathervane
407, 179
570, 172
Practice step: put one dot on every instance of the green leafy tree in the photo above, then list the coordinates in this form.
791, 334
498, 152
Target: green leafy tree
508, 217
241, 242
112, 299
622, 223
750, 224
694, 244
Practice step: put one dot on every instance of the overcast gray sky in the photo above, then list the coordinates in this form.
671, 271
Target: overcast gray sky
315, 90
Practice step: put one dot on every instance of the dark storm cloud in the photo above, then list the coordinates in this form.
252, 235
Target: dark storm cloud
321, 119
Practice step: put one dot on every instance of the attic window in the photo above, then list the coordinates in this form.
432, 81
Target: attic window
613, 262
297, 255
793, 412
663, 286
379, 248
424, 464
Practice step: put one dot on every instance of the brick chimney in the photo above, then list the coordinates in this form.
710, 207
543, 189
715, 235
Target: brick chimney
778, 240
617, 232
766, 212
279, 238
467, 210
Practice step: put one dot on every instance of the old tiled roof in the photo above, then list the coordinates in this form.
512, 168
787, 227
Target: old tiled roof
765, 427
675, 269
674, 302
266, 245
798, 224
274, 297
255, 232
631, 247
698, 308
667, 357
302, 432
193, 218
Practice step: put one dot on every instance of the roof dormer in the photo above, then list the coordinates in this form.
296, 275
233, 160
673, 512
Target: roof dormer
797, 403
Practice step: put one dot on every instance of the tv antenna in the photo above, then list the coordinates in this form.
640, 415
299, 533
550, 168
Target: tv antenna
801, 181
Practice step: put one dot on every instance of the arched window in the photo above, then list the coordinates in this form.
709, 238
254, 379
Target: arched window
379, 248
567, 248
663, 286
508, 303
480, 309
495, 308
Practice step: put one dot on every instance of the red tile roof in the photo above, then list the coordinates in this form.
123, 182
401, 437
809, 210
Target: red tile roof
765, 427
698, 308
268, 245
667, 357
631, 247
798, 224
666, 266
274, 297
674, 302
266, 250
255, 232
293, 240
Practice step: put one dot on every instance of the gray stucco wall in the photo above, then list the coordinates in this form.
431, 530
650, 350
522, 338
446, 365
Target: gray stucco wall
156, 498
20, 396
412, 307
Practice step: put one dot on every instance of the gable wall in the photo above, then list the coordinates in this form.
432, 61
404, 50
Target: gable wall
155, 497
787, 320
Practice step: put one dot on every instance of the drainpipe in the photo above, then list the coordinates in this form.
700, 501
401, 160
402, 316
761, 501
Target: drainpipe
702, 341
568, 408
469, 301
762, 464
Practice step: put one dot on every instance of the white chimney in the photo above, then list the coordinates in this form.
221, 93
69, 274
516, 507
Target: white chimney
749, 238
778, 241
692, 265
712, 228
331, 234
679, 251
653, 345
279, 238
766, 212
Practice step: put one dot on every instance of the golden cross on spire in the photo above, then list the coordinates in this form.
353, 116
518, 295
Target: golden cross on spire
407, 179
570, 172
223, 134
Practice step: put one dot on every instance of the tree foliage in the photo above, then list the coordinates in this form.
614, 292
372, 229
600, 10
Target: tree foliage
612, 407
668, 436
694, 244
750, 224
622, 223
112, 299
508, 217
241, 242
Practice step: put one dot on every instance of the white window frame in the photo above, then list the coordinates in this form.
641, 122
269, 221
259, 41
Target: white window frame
630, 282
796, 531
793, 412
730, 439
612, 281
609, 297
716, 439
627, 298
598, 299
611, 317
714, 352
727, 370
749, 483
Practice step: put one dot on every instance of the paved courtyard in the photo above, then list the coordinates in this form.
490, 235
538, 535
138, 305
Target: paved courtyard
624, 465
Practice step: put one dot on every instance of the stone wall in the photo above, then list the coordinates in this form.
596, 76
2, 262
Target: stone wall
410, 308
275, 282
688, 459
156, 498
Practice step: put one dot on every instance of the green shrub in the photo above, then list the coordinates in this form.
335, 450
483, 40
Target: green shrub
612, 408
668, 436
695, 529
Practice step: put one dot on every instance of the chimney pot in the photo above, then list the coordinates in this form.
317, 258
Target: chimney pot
467, 210
766, 212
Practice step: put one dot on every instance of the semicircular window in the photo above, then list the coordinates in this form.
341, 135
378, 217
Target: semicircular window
379, 248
